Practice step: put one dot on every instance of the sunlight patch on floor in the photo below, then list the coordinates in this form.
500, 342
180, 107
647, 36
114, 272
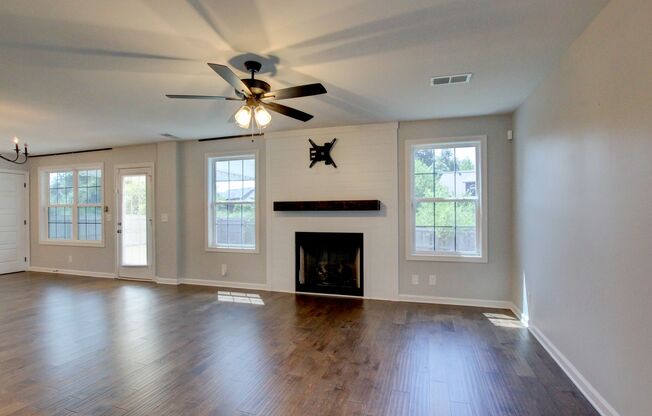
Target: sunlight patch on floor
503, 320
239, 297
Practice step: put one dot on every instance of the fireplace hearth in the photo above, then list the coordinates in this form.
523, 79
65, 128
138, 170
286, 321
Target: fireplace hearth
329, 263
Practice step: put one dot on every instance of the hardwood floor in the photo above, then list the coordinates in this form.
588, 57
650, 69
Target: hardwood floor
79, 345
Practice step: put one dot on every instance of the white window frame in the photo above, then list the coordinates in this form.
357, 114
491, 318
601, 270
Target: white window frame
481, 191
44, 192
209, 216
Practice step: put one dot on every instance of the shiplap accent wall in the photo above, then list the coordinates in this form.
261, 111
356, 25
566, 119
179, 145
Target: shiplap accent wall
366, 158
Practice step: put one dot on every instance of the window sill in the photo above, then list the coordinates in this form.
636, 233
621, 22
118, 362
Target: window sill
97, 244
233, 250
446, 258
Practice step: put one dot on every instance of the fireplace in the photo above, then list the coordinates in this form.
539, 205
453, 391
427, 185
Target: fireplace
329, 263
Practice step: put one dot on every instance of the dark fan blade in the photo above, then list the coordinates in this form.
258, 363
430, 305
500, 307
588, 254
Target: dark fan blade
203, 97
231, 78
288, 111
298, 91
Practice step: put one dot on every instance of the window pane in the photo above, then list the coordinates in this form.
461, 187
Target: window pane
465, 213
89, 189
444, 173
89, 223
445, 214
249, 169
67, 178
424, 185
249, 235
424, 214
444, 238
222, 170
424, 238
249, 180
82, 195
249, 213
424, 161
221, 221
235, 190
465, 233
465, 177
234, 225
68, 196
61, 190
465, 239
465, 159
444, 160
59, 223
235, 170
221, 191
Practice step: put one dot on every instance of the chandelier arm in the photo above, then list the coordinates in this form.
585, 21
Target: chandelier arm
15, 160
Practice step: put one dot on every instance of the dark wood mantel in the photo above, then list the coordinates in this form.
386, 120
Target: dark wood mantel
348, 205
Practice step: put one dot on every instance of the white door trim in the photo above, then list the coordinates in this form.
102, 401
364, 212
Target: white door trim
116, 200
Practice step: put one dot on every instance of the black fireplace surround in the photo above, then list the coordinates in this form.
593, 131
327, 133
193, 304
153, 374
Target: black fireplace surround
329, 263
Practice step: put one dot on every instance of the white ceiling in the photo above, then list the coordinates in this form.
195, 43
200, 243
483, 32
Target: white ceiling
79, 74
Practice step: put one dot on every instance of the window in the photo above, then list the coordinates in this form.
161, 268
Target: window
232, 219
71, 206
446, 200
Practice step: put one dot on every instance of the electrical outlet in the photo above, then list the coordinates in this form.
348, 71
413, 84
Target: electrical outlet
432, 279
415, 279
69, 259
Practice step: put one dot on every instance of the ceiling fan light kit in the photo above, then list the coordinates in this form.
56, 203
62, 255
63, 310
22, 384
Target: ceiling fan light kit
243, 117
258, 96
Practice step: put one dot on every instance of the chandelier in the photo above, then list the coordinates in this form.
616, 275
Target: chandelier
17, 160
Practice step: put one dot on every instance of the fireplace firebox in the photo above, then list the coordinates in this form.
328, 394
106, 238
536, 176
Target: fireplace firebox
329, 263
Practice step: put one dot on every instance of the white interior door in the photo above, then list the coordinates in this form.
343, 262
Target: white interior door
134, 223
13, 220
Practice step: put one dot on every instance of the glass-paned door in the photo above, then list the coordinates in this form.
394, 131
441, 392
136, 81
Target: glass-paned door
134, 223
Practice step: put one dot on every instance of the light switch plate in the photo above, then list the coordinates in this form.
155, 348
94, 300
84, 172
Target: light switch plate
164, 217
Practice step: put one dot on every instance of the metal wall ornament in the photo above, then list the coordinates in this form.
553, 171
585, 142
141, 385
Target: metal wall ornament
322, 153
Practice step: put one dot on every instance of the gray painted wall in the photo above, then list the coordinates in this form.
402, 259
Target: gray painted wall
490, 281
196, 262
583, 221
167, 203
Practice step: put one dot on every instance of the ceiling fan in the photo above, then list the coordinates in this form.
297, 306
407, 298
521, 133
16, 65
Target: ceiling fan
258, 96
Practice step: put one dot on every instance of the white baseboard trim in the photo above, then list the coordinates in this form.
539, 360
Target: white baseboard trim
166, 281
519, 314
592, 395
72, 272
224, 283
483, 303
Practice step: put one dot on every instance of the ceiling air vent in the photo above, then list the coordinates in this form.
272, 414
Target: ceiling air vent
450, 79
